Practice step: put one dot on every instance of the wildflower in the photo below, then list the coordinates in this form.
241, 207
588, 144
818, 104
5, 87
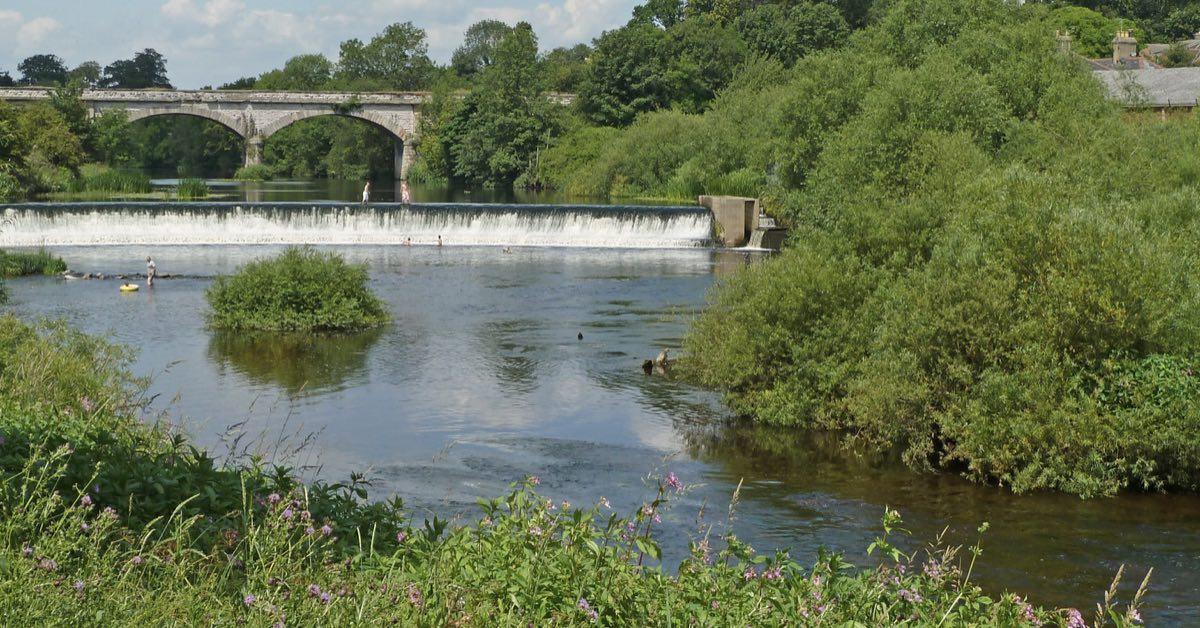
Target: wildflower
86, 500
87, 404
400, 536
749, 574
549, 505
96, 489
48, 564
673, 482
933, 569
273, 498
325, 597
78, 586
314, 590
286, 514
1075, 619
911, 596
774, 573
487, 521
657, 519
821, 609
110, 513
566, 505
136, 560
309, 531
414, 596
84, 526
305, 515
326, 530
536, 531
591, 613
1133, 615
534, 480
249, 599
647, 510
27, 550
604, 502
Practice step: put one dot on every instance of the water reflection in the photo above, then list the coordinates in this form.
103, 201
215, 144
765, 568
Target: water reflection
296, 362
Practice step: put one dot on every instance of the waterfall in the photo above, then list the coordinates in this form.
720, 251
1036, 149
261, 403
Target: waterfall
603, 226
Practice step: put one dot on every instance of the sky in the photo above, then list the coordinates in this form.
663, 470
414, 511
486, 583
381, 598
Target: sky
210, 42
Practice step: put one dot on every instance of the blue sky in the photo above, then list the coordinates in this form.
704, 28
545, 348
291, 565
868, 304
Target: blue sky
209, 42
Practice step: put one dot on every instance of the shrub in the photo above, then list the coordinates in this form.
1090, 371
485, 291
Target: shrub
111, 181
191, 188
20, 263
255, 172
299, 290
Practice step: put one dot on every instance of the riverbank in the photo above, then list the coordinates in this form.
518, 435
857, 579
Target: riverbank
106, 516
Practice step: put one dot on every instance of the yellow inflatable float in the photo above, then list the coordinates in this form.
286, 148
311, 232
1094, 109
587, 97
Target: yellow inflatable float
129, 287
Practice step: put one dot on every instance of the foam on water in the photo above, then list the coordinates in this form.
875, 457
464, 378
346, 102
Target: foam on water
607, 226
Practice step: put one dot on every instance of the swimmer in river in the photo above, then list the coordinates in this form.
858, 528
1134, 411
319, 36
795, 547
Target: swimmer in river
151, 271
439, 240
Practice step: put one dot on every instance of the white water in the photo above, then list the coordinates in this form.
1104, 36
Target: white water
306, 223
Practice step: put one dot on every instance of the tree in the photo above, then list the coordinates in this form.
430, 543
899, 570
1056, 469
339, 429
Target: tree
1182, 23
1177, 56
478, 50
493, 136
67, 100
111, 140
627, 75
86, 73
301, 73
664, 13
49, 138
702, 57
1092, 31
246, 82
6, 80
788, 34
47, 70
397, 58
146, 69
565, 68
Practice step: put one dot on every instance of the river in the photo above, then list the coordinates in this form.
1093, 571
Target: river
482, 380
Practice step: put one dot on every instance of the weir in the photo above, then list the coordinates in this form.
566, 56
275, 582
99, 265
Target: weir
155, 223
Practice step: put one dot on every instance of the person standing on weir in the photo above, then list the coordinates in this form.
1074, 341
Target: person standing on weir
151, 271
366, 193
405, 197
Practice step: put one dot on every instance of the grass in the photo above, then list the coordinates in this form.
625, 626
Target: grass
299, 290
106, 519
22, 263
191, 188
257, 172
109, 181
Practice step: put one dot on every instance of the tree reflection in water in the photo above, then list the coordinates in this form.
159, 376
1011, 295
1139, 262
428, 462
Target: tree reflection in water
295, 362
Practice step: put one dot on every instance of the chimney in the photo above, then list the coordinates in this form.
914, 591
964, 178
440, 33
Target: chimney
1124, 46
1064, 41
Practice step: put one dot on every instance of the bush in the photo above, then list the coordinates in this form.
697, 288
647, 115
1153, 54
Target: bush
255, 172
20, 264
191, 188
299, 290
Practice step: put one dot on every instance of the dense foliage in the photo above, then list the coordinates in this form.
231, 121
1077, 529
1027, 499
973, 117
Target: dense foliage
104, 519
991, 267
301, 289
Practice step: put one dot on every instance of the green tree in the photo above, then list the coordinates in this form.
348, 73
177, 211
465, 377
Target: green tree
397, 58
68, 101
86, 73
49, 137
564, 69
703, 55
479, 47
6, 80
44, 69
664, 13
301, 73
1182, 23
627, 75
787, 34
505, 119
1092, 31
246, 82
146, 69
1177, 56
111, 139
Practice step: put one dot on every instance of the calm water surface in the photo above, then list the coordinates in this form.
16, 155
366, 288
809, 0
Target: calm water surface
481, 381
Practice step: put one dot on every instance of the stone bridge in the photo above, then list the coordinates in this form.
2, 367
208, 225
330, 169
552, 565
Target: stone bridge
256, 115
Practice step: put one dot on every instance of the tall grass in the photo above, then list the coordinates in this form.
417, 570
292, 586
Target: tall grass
191, 188
22, 263
256, 172
116, 181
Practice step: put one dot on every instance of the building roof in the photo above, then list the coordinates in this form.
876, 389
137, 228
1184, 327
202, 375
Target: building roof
1157, 87
1128, 63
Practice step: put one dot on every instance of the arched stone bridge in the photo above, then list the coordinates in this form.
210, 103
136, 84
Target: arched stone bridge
256, 115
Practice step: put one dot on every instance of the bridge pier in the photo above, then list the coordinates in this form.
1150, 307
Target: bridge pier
405, 151
254, 150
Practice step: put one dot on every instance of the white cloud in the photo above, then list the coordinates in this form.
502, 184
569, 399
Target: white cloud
36, 30
211, 13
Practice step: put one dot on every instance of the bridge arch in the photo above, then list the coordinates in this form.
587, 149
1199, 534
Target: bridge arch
381, 120
404, 147
233, 123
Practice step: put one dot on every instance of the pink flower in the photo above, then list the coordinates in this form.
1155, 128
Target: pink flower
326, 530
673, 482
1075, 619
534, 480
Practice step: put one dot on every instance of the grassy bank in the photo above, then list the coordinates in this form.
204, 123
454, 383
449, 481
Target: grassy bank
107, 519
22, 263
